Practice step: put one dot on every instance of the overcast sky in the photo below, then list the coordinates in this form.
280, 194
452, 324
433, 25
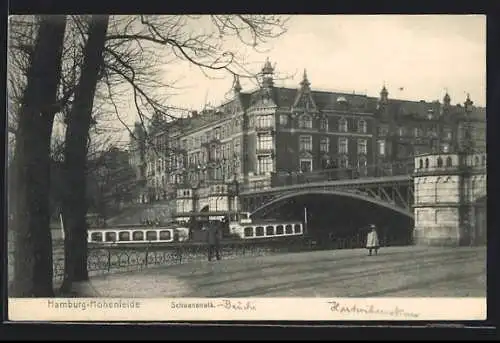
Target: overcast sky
424, 54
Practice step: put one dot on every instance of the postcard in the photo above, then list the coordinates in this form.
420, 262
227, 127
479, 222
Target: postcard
247, 167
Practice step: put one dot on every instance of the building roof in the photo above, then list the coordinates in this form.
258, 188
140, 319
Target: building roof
284, 97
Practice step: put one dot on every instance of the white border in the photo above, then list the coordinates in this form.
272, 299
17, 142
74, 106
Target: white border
250, 309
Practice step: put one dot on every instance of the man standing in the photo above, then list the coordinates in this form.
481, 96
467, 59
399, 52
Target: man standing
213, 238
372, 242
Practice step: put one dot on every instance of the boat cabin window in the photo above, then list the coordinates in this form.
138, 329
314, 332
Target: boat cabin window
151, 236
269, 230
124, 236
279, 230
96, 237
289, 229
248, 231
259, 231
138, 236
297, 228
165, 235
110, 236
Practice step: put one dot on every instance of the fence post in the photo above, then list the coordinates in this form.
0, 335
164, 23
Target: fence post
109, 259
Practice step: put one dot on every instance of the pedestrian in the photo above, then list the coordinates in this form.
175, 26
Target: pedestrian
372, 242
213, 240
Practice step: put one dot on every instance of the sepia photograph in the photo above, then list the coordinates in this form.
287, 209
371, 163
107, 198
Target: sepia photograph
220, 167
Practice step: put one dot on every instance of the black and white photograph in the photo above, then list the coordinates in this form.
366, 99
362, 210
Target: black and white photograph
223, 161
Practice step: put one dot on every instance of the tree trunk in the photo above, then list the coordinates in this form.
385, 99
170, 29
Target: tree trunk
75, 158
33, 268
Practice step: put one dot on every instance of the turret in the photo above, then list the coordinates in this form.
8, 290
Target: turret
237, 86
267, 75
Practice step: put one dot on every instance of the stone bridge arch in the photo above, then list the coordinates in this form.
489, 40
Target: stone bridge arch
355, 195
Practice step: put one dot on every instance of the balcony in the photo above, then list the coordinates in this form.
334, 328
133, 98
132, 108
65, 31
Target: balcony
265, 128
264, 150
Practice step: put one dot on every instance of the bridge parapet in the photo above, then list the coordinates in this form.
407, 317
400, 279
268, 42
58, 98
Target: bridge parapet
286, 179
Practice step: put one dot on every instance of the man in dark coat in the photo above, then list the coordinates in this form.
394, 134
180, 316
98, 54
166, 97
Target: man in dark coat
213, 239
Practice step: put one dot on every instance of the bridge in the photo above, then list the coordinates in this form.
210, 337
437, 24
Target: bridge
389, 186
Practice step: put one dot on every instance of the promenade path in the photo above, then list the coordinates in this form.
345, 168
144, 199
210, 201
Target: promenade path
395, 272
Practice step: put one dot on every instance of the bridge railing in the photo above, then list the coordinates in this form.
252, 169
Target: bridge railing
281, 179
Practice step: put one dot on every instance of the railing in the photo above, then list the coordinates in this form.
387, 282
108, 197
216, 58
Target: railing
115, 259
334, 174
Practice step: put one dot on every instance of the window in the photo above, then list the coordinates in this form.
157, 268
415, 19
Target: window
269, 230
362, 163
259, 231
420, 164
305, 143
426, 163
151, 236
264, 164
289, 229
265, 121
381, 147
305, 165
447, 133
402, 132
344, 162
362, 146
138, 236
236, 147
264, 142
343, 145
325, 163
305, 122
362, 126
445, 147
323, 124
449, 161
383, 130
165, 235
279, 230
439, 162
96, 237
248, 232
283, 120
431, 132
124, 236
342, 125
324, 144
297, 228
417, 132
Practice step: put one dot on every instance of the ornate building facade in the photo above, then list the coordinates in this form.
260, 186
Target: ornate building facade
271, 131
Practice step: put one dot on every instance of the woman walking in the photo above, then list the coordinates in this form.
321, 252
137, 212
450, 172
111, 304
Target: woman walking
372, 242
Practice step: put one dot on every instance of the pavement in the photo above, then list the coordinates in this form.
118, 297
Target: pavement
395, 272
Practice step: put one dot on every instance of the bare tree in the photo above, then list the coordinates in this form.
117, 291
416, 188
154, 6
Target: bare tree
75, 156
137, 45
133, 49
33, 246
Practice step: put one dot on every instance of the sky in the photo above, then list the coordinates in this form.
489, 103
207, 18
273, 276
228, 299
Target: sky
425, 55
417, 57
